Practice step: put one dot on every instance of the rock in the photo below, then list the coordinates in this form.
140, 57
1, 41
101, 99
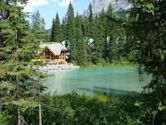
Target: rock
117, 5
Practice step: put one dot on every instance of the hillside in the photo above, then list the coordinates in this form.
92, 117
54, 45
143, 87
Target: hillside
99, 5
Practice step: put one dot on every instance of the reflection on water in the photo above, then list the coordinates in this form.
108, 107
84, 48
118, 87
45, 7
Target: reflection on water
115, 80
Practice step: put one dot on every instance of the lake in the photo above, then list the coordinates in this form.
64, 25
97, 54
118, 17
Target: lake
91, 81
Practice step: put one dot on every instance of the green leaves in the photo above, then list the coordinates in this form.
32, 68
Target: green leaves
150, 54
148, 8
81, 55
7, 85
161, 107
75, 109
138, 104
38, 28
56, 33
70, 33
25, 103
4, 119
18, 45
2, 72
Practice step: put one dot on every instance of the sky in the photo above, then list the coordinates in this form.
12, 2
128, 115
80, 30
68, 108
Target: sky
49, 8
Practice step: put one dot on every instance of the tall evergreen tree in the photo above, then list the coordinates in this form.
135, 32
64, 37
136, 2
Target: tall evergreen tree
19, 45
102, 18
38, 27
70, 32
99, 41
63, 29
53, 30
109, 32
89, 32
115, 36
81, 43
56, 30
90, 23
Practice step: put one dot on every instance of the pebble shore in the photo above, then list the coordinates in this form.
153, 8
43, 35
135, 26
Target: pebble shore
57, 67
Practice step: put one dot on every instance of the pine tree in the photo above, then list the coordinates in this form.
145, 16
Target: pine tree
63, 29
81, 43
56, 30
38, 27
102, 17
90, 23
99, 42
109, 32
116, 33
53, 30
18, 48
109, 23
89, 32
116, 36
70, 33
44, 33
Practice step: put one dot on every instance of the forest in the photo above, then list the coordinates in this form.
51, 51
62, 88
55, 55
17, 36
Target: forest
136, 36
93, 39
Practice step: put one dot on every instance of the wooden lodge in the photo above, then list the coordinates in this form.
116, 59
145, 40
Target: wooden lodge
53, 52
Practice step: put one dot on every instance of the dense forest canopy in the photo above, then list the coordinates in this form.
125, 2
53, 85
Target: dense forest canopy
19, 88
136, 35
101, 41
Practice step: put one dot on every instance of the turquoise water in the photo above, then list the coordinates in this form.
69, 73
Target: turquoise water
90, 81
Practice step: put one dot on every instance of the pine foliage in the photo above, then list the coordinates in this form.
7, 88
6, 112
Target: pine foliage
18, 46
56, 35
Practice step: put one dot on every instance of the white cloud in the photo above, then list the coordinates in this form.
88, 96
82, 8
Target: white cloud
63, 3
34, 3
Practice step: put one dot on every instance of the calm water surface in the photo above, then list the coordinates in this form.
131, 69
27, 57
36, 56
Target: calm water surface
90, 81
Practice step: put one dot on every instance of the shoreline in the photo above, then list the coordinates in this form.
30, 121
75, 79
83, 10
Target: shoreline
69, 66
111, 65
58, 67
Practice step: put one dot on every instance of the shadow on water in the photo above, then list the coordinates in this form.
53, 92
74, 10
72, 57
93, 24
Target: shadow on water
109, 91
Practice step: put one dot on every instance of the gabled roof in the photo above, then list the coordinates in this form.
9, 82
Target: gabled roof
54, 47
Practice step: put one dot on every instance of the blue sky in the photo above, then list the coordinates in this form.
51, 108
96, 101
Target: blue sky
49, 8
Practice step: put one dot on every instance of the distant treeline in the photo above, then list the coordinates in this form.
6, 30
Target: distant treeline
92, 39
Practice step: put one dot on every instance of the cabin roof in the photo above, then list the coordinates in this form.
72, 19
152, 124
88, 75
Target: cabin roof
54, 47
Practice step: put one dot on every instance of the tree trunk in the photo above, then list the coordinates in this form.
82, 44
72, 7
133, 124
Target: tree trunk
40, 114
19, 116
0, 42
39, 99
1, 104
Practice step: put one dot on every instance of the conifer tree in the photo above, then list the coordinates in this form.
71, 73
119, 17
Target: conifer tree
56, 30
70, 32
38, 27
116, 33
116, 36
109, 32
81, 43
63, 29
53, 30
89, 32
102, 18
16, 77
90, 23
109, 23
99, 41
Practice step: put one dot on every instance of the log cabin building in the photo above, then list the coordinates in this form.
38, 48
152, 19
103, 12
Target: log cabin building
53, 52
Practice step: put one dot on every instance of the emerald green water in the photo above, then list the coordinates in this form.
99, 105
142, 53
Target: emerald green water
90, 81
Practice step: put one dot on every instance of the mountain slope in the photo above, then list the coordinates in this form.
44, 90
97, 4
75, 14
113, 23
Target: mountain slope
99, 5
